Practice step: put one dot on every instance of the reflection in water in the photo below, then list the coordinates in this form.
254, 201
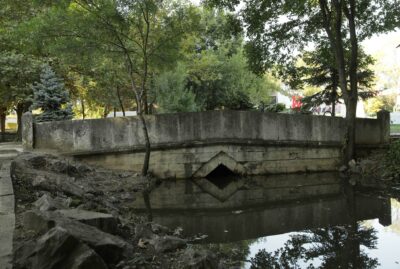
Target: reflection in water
324, 213
395, 227
233, 251
335, 247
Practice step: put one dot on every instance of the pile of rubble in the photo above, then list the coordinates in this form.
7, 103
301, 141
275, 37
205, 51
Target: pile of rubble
71, 216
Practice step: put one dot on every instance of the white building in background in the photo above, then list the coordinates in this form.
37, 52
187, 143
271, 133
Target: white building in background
360, 113
395, 115
120, 114
280, 98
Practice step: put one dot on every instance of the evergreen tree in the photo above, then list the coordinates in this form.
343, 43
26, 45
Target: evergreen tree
51, 97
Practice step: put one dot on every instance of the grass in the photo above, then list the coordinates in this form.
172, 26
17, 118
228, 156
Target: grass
395, 128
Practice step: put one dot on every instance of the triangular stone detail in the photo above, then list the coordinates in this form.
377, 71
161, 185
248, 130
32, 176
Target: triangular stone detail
220, 158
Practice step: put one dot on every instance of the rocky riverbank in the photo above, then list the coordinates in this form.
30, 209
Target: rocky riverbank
380, 170
70, 215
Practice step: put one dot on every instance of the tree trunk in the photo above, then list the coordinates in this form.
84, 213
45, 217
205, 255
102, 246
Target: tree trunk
334, 95
334, 108
146, 162
106, 111
2, 124
353, 94
20, 110
3, 120
83, 108
333, 21
120, 101
351, 113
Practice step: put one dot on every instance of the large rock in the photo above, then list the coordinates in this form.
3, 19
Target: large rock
111, 248
150, 230
57, 249
167, 243
198, 259
105, 222
84, 257
46, 203
57, 182
51, 173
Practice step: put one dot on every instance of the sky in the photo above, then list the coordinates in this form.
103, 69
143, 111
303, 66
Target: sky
386, 45
387, 67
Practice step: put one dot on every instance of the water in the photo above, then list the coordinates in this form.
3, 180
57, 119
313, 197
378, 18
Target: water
291, 221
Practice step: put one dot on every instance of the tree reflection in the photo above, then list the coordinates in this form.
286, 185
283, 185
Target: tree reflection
332, 247
234, 252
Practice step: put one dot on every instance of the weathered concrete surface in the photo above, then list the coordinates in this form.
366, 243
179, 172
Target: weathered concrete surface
7, 203
242, 159
27, 133
191, 144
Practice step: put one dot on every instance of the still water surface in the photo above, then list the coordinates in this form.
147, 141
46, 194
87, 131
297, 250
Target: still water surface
297, 221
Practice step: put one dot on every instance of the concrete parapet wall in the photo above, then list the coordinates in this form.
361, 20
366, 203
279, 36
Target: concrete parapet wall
251, 138
176, 130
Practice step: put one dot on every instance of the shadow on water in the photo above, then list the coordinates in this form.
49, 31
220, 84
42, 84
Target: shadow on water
321, 213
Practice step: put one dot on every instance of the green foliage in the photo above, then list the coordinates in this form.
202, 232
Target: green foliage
274, 40
51, 97
383, 102
172, 93
276, 108
113, 53
220, 80
139, 38
317, 70
392, 160
17, 73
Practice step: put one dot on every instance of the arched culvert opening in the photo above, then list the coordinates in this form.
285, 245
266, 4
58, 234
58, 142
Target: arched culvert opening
221, 176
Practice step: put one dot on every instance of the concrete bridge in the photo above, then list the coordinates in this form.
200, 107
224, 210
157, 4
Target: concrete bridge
196, 145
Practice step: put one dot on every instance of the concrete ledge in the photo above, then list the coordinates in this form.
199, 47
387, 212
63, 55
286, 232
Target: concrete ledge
216, 142
209, 142
7, 224
7, 215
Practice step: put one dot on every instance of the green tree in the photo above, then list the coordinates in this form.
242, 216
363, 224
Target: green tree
17, 73
51, 97
220, 80
320, 71
278, 29
139, 35
383, 102
172, 93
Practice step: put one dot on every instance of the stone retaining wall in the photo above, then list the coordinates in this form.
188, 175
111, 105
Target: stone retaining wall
183, 143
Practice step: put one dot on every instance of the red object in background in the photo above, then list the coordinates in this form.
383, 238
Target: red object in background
296, 102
